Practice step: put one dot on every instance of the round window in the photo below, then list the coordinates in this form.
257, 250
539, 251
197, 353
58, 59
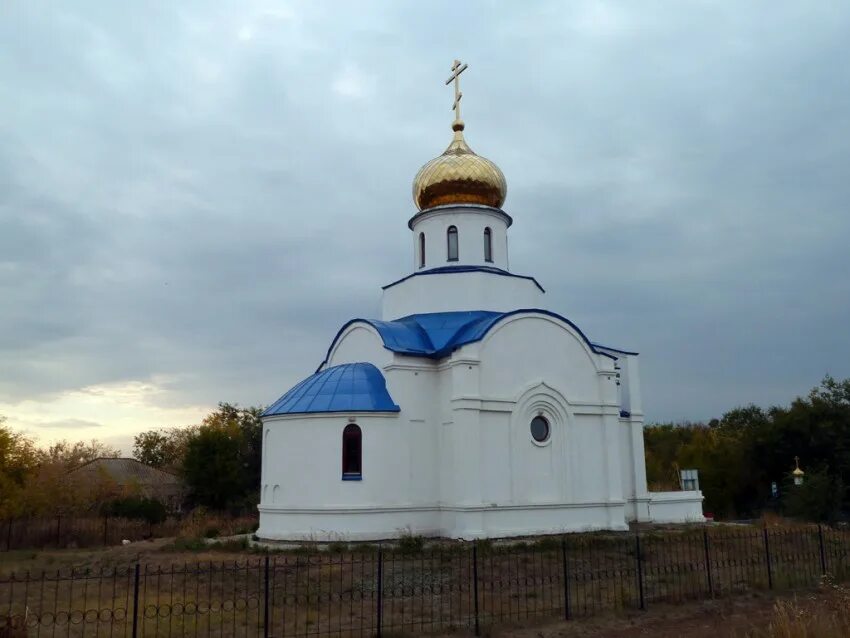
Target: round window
539, 429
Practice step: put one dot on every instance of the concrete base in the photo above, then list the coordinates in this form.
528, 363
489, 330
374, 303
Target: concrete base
676, 507
464, 522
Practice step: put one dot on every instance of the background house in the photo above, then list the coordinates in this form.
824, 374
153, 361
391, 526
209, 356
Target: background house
127, 476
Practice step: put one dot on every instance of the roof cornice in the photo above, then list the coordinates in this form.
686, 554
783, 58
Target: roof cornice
460, 208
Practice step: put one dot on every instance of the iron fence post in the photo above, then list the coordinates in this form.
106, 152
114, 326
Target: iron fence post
822, 551
639, 560
266, 598
767, 559
58, 529
9, 536
105, 529
707, 562
136, 603
380, 606
566, 576
475, 584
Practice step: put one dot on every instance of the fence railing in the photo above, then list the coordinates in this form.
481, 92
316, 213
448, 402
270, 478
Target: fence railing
447, 587
76, 531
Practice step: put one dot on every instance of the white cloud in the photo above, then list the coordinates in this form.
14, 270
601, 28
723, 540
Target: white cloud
352, 82
117, 410
200, 213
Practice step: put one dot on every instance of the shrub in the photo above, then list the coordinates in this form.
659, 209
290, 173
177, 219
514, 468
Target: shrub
824, 616
233, 545
411, 544
186, 545
485, 545
200, 521
137, 507
818, 499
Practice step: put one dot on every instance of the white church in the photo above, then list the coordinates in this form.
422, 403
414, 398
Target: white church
469, 409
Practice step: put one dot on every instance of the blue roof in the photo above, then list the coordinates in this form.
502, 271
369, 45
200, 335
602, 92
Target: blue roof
437, 334
612, 349
442, 270
350, 387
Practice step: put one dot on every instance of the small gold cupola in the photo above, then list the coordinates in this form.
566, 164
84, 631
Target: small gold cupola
459, 176
798, 474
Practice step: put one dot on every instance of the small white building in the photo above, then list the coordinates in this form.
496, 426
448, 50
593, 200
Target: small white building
468, 409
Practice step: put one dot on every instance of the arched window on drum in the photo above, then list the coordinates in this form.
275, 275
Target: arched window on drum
488, 245
352, 453
451, 240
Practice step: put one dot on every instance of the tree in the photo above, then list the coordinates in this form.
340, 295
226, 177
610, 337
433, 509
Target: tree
818, 499
71, 455
741, 454
716, 452
150, 448
223, 458
19, 459
139, 507
164, 449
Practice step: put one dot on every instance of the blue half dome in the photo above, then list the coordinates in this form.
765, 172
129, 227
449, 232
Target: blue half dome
350, 387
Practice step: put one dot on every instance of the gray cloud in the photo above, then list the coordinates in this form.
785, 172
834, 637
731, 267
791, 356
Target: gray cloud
207, 192
68, 424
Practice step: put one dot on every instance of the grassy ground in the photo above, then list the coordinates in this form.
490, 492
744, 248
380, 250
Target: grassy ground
160, 551
820, 613
187, 588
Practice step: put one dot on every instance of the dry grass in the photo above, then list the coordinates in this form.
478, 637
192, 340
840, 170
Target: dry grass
772, 519
824, 614
431, 589
200, 523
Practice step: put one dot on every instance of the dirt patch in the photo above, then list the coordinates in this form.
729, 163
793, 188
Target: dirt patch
152, 552
727, 618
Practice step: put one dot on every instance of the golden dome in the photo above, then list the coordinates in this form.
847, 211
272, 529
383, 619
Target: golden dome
459, 176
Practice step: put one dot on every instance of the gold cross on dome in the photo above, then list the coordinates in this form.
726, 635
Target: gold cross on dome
797, 461
457, 69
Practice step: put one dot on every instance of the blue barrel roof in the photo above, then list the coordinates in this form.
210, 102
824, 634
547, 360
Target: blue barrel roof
350, 387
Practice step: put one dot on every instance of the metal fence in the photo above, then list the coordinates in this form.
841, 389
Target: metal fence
444, 588
79, 531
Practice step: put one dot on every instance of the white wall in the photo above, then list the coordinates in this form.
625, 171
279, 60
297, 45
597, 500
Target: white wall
470, 222
360, 342
522, 350
448, 292
459, 460
676, 507
305, 459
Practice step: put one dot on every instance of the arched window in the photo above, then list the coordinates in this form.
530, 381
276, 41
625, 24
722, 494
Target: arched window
488, 245
421, 250
451, 236
352, 453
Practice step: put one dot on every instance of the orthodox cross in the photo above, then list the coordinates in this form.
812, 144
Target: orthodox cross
457, 69
797, 461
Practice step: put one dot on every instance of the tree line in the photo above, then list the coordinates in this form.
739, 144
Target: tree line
740, 455
218, 459
34, 481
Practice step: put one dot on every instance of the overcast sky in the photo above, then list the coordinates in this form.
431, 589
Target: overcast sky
195, 196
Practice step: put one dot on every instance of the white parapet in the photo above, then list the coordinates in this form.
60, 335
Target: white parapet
676, 507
